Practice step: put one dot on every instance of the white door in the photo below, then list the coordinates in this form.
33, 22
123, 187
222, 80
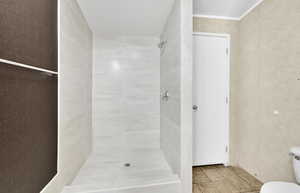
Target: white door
211, 91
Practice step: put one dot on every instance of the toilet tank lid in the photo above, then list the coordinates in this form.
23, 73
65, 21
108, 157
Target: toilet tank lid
295, 151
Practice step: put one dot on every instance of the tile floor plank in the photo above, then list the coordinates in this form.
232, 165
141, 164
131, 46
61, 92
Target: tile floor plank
240, 184
247, 177
220, 179
226, 186
199, 176
212, 173
196, 189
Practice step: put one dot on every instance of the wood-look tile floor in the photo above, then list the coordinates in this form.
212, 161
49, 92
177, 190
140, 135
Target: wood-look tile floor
220, 179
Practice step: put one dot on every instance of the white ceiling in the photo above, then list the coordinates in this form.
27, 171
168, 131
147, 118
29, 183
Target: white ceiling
126, 17
223, 8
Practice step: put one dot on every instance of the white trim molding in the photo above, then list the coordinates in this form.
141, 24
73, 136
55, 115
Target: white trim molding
217, 17
224, 35
231, 18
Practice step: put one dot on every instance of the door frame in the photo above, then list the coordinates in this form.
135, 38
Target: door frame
228, 39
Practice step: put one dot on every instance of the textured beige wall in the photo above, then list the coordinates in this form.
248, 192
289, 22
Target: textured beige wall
269, 72
265, 90
232, 28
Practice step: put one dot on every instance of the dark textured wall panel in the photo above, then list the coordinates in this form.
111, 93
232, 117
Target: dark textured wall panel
28, 32
28, 129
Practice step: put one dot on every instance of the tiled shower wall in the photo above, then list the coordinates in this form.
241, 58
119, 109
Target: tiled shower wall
170, 81
75, 131
176, 113
126, 109
176, 71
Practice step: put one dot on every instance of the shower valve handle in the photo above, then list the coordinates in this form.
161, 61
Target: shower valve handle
165, 95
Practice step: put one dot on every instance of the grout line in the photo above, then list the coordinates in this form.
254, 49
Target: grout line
27, 66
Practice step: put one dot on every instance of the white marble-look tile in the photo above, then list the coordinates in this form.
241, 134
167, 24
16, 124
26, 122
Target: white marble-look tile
75, 81
126, 120
170, 73
126, 93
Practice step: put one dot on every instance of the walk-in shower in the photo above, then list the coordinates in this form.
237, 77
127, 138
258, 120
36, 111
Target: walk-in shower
136, 134
126, 117
81, 109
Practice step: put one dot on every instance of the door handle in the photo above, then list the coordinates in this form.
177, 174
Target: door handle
195, 107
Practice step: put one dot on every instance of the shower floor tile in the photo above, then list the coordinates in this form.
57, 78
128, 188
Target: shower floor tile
107, 170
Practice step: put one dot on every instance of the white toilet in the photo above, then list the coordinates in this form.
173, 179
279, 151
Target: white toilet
284, 187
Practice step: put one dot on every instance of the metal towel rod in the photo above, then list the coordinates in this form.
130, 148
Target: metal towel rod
28, 67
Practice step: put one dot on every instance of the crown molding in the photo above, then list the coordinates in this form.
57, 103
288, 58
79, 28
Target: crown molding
247, 12
217, 17
250, 9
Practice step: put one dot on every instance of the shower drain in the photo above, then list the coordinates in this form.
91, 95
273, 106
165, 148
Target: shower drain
127, 165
